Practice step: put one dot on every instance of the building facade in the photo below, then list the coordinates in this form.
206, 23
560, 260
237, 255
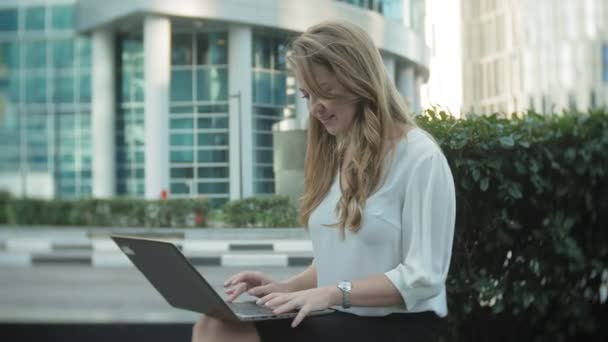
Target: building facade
545, 55
142, 98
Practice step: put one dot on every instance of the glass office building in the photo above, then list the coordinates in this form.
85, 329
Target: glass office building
137, 98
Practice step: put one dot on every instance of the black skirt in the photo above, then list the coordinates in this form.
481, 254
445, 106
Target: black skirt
340, 326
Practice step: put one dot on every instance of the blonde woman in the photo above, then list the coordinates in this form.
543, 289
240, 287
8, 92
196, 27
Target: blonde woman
379, 205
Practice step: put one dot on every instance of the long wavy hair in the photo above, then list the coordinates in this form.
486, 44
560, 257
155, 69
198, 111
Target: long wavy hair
349, 53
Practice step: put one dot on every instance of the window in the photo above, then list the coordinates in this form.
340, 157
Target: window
85, 87
181, 85
83, 46
213, 172
186, 123
182, 139
213, 156
8, 20
264, 187
9, 57
181, 49
35, 89
212, 84
213, 188
62, 17
214, 122
34, 19
64, 89
213, 139
35, 54
63, 53
182, 172
186, 156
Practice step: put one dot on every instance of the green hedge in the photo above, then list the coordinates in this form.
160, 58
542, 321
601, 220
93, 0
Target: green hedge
105, 213
530, 258
271, 211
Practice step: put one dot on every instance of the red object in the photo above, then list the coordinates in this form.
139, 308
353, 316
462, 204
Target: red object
198, 218
163, 194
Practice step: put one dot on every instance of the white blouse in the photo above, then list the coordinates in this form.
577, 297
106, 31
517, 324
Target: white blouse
406, 233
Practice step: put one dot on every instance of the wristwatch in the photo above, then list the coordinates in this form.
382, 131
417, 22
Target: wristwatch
345, 287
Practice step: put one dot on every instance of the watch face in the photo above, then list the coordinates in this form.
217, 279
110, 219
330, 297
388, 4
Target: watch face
344, 285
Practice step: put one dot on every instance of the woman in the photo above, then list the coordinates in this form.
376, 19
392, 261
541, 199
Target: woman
378, 202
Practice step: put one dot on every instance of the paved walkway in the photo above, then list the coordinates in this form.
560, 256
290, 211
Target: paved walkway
47, 245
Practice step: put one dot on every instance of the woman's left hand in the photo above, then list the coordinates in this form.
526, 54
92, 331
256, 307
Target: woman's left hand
303, 301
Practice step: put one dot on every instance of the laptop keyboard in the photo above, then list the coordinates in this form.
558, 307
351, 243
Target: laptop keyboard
250, 308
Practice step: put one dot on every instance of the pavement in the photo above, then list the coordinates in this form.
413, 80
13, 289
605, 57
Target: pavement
25, 246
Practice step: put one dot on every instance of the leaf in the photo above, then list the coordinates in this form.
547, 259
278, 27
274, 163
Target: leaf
523, 143
475, 174
515, 191
483, 185
507, 141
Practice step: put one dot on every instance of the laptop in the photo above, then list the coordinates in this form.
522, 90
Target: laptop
183, 287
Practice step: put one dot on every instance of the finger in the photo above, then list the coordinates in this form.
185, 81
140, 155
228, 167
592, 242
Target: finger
278, 300
231, 280
300, 316
266, 298
238, 278
237, 286
287, 307
240, 288
260, 291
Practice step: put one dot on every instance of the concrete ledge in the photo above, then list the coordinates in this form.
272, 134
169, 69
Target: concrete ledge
100, 259
107, 245
61, 258
15, 259
28, 245
239, 260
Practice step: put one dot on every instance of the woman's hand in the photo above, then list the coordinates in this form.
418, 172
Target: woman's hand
255, 283
303, 301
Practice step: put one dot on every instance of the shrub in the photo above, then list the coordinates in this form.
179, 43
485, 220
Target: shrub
530, 259
271, 211
119, 212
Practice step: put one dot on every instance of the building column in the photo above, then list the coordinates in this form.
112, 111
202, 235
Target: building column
389, 64
406, 84
157, 75
103, 121
240, 116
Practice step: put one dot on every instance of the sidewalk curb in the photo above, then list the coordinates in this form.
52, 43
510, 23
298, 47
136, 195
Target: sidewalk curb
105, 253
120, 260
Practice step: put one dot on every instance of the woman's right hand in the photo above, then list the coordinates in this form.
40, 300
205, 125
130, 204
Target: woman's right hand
255, 283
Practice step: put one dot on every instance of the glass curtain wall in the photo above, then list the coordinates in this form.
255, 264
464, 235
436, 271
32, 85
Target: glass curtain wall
409, 12
198, 127
269, 76
130, 171
45, 97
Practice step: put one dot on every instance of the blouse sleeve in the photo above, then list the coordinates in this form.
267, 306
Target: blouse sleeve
427, 223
